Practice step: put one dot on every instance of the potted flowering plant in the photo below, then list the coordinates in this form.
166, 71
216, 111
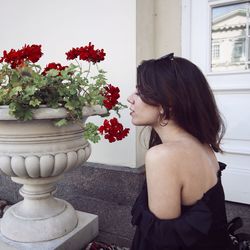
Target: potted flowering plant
43, 134
25, 86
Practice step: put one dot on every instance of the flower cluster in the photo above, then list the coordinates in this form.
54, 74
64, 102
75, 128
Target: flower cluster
113, 130
86, 53
53, 65
111, 95
25, 86
16, 58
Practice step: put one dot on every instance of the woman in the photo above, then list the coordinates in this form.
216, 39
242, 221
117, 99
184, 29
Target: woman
181, 205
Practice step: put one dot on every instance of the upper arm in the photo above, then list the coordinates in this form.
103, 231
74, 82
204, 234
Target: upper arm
163, 182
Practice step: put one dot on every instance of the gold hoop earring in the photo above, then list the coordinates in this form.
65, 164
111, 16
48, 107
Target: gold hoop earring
163, 122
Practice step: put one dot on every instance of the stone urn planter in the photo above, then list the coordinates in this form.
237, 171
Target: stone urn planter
36, 154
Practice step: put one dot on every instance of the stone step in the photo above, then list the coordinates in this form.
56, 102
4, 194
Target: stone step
114, 219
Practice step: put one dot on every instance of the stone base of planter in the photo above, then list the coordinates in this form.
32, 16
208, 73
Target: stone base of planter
85, 232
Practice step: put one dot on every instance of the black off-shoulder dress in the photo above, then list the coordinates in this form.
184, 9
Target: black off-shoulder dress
200, 226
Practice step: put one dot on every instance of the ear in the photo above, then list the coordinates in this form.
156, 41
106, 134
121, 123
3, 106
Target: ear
161, 110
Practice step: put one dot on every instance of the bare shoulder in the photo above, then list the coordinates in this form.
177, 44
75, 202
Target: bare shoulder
164, 181
164, 166
167, 163
178, 173
167, 155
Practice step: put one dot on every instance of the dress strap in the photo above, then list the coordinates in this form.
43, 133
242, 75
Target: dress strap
222, 167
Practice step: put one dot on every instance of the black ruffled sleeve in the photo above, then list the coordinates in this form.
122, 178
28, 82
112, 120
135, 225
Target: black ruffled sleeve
183, 231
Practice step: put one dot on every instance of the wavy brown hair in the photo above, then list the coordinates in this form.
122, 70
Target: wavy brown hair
182, 90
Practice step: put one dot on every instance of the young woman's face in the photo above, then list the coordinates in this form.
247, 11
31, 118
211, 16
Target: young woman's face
142, 113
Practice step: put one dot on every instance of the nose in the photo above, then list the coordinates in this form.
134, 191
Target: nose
130, 99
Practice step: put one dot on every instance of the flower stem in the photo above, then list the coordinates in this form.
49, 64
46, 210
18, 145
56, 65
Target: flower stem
88, 70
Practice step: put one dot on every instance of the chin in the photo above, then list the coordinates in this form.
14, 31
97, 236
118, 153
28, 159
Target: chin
138, 123
134, 122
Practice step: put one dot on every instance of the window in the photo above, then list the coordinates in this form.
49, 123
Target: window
216, 51
238, 51
230, 37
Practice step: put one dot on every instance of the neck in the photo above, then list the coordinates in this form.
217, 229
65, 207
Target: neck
171, 132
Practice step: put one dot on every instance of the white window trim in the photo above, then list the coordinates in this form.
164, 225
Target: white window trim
186, 32
186, 28
212, 4
216, 3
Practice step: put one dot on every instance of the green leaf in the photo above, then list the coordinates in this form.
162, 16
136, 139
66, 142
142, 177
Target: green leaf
61, 122
27, 115
69, 106
34, 102
30, 90
72, 90
15, 91
12, 107
91, 132
52, 72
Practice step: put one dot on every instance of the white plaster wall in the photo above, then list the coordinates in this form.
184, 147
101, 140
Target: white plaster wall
60, 25
145, 49
167, 27
158, 32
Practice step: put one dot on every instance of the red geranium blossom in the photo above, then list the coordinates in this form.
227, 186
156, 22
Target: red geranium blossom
32, 53
17, 58
113, 130
53, 65
86, 53
111, 95
72, 54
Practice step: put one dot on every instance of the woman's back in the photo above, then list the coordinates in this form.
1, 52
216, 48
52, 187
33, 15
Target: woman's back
178, 172
200, 226
199, 168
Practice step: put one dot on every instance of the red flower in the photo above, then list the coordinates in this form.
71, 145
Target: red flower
72, 54
111, 95
32, 53
86, 53
113, 130
17, 58
53, 65
12, 57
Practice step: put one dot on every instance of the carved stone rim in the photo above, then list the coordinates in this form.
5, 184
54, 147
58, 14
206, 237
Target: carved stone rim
43, 112
43, 166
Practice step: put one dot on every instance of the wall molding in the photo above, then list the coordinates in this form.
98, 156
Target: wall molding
186, 28
236, 146
226, 91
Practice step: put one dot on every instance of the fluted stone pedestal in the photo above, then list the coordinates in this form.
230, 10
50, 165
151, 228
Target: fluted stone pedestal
36, 154
85, 231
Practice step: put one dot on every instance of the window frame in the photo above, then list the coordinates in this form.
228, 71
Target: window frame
221, 3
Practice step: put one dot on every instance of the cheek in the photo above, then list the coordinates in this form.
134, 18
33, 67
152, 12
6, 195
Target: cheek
145, 115
152, 114
150, 110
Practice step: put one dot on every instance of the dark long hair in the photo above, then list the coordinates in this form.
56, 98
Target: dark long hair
182, 90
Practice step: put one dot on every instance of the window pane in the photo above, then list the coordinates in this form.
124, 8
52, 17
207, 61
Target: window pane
230, 37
